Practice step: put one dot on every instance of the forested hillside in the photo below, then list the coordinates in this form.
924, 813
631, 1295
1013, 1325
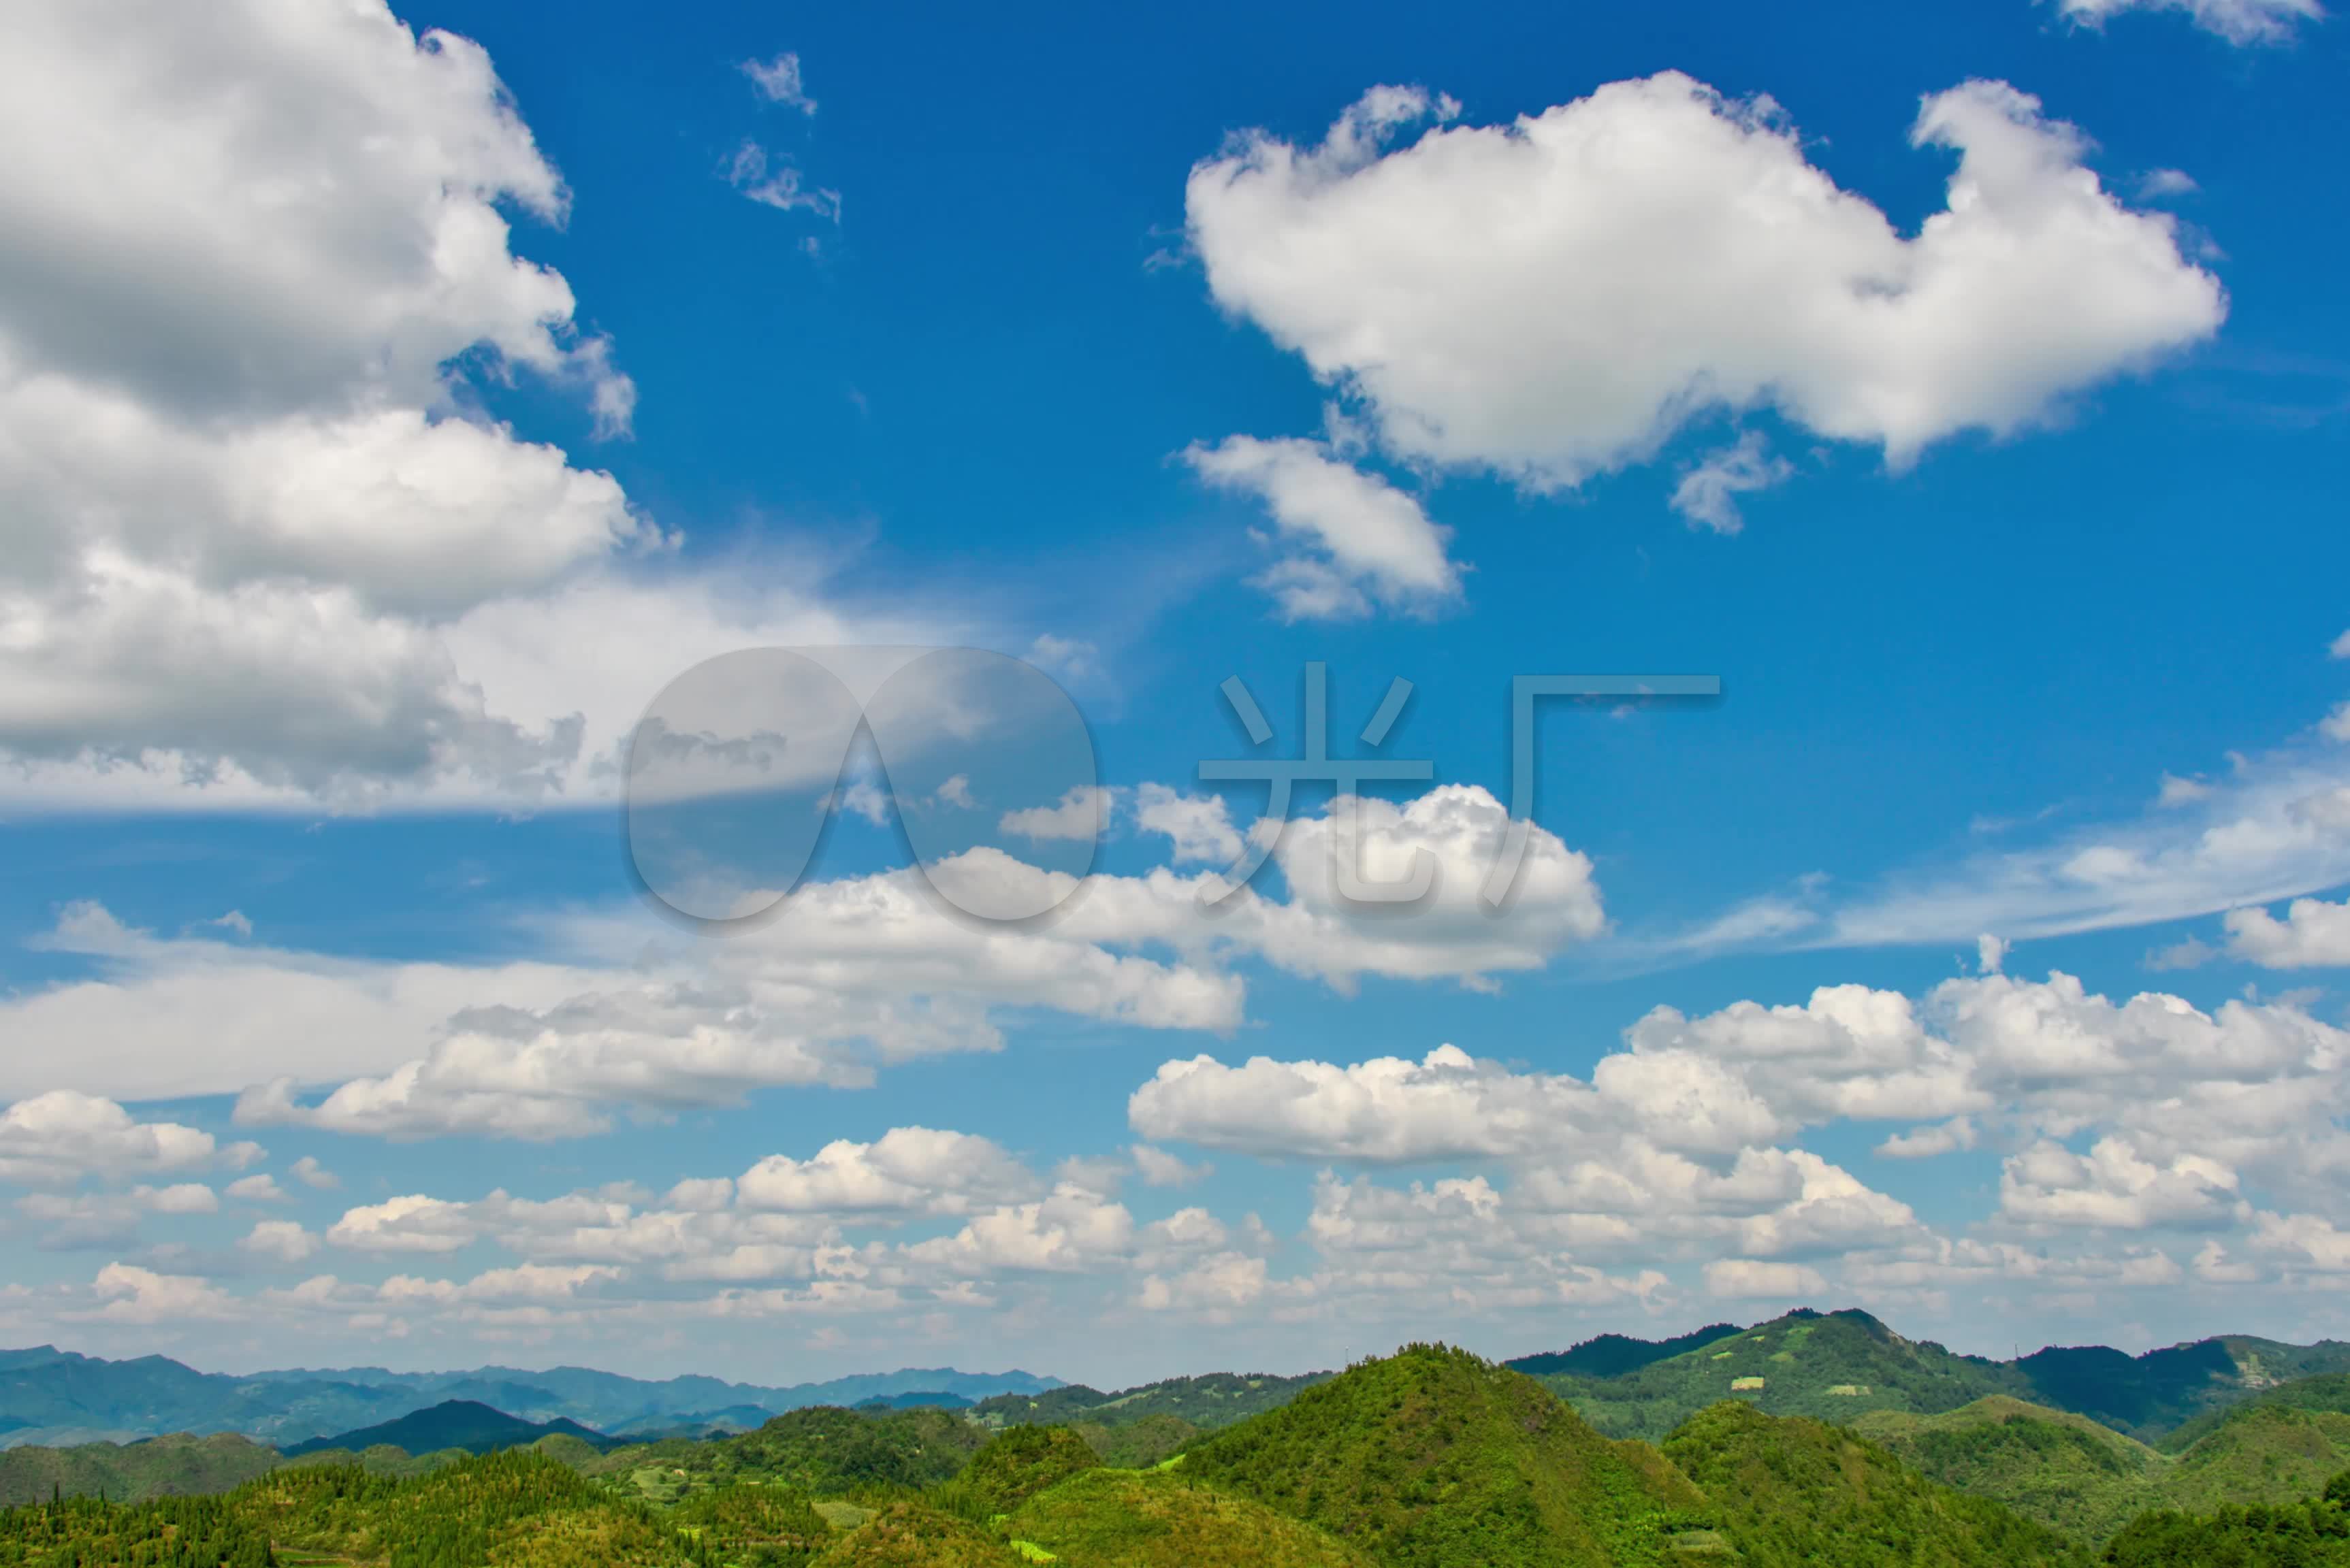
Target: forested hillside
1431, 1458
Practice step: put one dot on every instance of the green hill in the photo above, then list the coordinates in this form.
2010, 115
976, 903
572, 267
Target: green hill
453, 1424
1139, 1445
2259, 1454
2062, 1470
1832, 1367
2070, 1472
1798, 1493
2312, 1534
1216, 1400
1122, 1518
1614, 1354
907, 1536
1435, 1458
1020, 1463
823, 1452
176, 1465
2326, 1391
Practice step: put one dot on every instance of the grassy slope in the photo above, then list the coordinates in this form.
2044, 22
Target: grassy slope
1434, 1459
1125, 1519
1798, 1493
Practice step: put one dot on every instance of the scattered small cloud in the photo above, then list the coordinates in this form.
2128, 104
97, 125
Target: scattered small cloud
1707, 495
777, 183
778, 81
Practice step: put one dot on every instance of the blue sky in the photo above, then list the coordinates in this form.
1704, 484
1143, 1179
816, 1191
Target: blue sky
1965, 387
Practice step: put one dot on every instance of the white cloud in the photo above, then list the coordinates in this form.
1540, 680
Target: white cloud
260, 1188
413, 1224
778, 81
1548, 299
2113, 1188
1200, 828
56, 1138
281, 1239
242, 516
310, 1173
141, 1297
2239, 21
1708, 493
2312, 935
2276, 827
1081, 813
1745, 1279
1446, 1106
849, 975
1926, 1143
1358, 541
777, 183
1161, 1169
917, 1169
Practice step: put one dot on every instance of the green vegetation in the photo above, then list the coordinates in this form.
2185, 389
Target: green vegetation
1614, 1354
2325, 1392
2068, 1471
1121, 1518
1205, 1403
1434, 1459
1023, 1463
823, 1452
453, 1424
2062, 1469
1139, 1445
177, 1466
1798, 1493
2314, 1533
175, 1532
1832, 1367
907, 1536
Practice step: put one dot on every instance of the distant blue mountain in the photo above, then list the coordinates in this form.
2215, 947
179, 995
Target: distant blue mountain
452, 1423
53, 1396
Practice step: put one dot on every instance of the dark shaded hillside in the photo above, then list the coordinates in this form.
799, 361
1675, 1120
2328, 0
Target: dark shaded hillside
1614, 1354
1798, 1493
1435, 1458
457, 1424
2143, 1395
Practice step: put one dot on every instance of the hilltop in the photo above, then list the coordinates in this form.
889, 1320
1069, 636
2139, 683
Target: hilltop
452, 1423
1434, 1457
1837, 1367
